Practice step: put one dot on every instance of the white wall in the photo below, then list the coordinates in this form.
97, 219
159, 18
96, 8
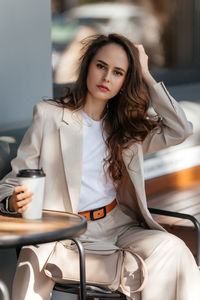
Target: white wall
25, 74
25, 59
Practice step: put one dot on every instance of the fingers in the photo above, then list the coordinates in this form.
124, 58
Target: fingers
24, 201
23, 196
139, 46
20, 199
20, 189
143, 58
22, 209
142, 53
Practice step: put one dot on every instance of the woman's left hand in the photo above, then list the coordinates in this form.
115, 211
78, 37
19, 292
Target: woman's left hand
143, 57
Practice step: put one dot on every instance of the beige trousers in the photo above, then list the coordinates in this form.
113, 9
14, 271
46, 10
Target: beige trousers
172, 271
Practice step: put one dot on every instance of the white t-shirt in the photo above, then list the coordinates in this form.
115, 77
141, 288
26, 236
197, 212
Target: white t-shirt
97, 190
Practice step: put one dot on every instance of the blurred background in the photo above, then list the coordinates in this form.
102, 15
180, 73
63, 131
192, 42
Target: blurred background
169, 31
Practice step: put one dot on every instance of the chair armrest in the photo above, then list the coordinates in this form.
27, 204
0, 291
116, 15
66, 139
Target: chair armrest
182, 216
176, 215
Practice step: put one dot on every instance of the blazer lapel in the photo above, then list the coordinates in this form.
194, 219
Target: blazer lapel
71, 145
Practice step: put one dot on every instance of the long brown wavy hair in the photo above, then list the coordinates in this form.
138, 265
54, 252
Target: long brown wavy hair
125, 117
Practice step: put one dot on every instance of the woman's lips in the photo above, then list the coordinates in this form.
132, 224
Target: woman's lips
103, 88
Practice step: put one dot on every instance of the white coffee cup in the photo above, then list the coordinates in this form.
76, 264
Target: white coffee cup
34, 180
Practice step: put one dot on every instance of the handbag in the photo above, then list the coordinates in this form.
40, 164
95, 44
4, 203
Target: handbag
105, 268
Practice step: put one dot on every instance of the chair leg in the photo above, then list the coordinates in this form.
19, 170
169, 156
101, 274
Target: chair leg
4, 291
82, 268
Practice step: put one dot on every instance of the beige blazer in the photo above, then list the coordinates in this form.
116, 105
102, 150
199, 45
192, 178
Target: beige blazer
54, 142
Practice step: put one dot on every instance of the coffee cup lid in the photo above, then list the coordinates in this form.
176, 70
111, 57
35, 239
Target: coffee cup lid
31, 173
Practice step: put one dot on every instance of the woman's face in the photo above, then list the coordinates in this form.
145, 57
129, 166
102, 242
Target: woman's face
107, 72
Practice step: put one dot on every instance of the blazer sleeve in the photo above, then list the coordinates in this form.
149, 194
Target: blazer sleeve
175, 127
28, 153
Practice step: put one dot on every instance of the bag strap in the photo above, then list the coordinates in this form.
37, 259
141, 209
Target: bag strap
144, 271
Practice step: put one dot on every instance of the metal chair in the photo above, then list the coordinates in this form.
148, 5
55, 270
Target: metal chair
97, 292
4, 291
182, 216
84, 290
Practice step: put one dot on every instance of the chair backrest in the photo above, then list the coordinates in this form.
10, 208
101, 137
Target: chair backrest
9, 143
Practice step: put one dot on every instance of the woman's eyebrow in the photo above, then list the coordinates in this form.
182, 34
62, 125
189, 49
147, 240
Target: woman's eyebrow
118, 68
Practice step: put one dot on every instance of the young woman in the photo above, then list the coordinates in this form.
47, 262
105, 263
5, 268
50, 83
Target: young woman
90, 144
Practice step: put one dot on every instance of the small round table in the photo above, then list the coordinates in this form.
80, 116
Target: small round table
54, 226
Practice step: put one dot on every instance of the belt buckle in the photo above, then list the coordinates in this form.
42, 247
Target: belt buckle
94, 210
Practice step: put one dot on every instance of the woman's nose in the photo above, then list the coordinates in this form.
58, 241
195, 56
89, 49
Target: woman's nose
107, 76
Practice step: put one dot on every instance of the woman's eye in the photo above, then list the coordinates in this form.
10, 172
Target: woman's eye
100, 66
118, 73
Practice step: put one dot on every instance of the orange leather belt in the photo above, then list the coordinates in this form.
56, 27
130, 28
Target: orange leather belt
99, 213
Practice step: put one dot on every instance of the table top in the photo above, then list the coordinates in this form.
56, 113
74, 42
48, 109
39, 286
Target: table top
54, 225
